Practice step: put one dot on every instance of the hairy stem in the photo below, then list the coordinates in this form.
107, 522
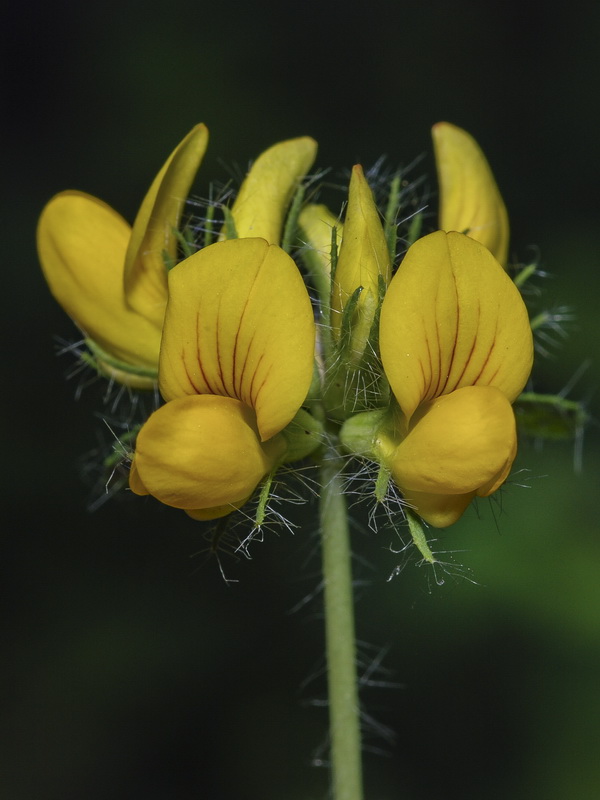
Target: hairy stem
344, 712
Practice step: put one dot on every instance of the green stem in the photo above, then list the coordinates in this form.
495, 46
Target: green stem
344, 712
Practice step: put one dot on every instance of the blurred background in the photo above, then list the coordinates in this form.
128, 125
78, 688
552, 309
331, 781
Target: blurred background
130, 668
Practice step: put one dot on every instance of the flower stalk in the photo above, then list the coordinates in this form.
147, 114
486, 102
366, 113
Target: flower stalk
344, 711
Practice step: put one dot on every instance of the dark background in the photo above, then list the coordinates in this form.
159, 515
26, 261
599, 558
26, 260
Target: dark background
130, 668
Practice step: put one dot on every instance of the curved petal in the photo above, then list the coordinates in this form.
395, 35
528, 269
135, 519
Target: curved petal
439, 510
317, 223
489, 488
81, 244
363, 259
261, 204
239, 323
204, 514
135, 482
470, 201
158, 217
200, 452
452, 318
457, 443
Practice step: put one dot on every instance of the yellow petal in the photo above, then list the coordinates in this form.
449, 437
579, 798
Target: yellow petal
204, 514
470, 201
81, 245
439, 510
452, 318
239, 323
135, 482
317, 223
158, 217
200, 452
363, 259
457, 443
261, 205
489, 488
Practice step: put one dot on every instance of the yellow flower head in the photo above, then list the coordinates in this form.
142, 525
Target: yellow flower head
457, 350
110, 278
235, 366
470, 201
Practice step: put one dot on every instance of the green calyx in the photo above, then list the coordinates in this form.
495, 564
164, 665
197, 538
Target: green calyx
356, 382
360, 432
551, 417
131, 375
303, 436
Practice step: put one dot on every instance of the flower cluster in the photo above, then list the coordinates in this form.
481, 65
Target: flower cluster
413, 363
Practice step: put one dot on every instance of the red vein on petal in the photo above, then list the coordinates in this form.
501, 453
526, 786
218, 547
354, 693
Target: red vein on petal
443, 380
471, 351
241, 394
218, 354
426, 377
167, 366
492, 379
190, 378
433, 374
487, 360
199, 361
238, 379
253, 393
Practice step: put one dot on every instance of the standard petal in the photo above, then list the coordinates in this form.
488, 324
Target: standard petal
470, 201
457, 443
200, 452
82, 243
239, 323
452, 318
264, 196
158, 217
364, 259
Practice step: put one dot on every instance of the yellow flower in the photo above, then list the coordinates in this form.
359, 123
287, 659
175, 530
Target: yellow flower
235, 366
470, 201
260, 206
457, 350
110, 278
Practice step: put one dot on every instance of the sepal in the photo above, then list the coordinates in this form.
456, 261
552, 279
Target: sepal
130, 375
359, 432
550, 417
364, 259
302, 436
